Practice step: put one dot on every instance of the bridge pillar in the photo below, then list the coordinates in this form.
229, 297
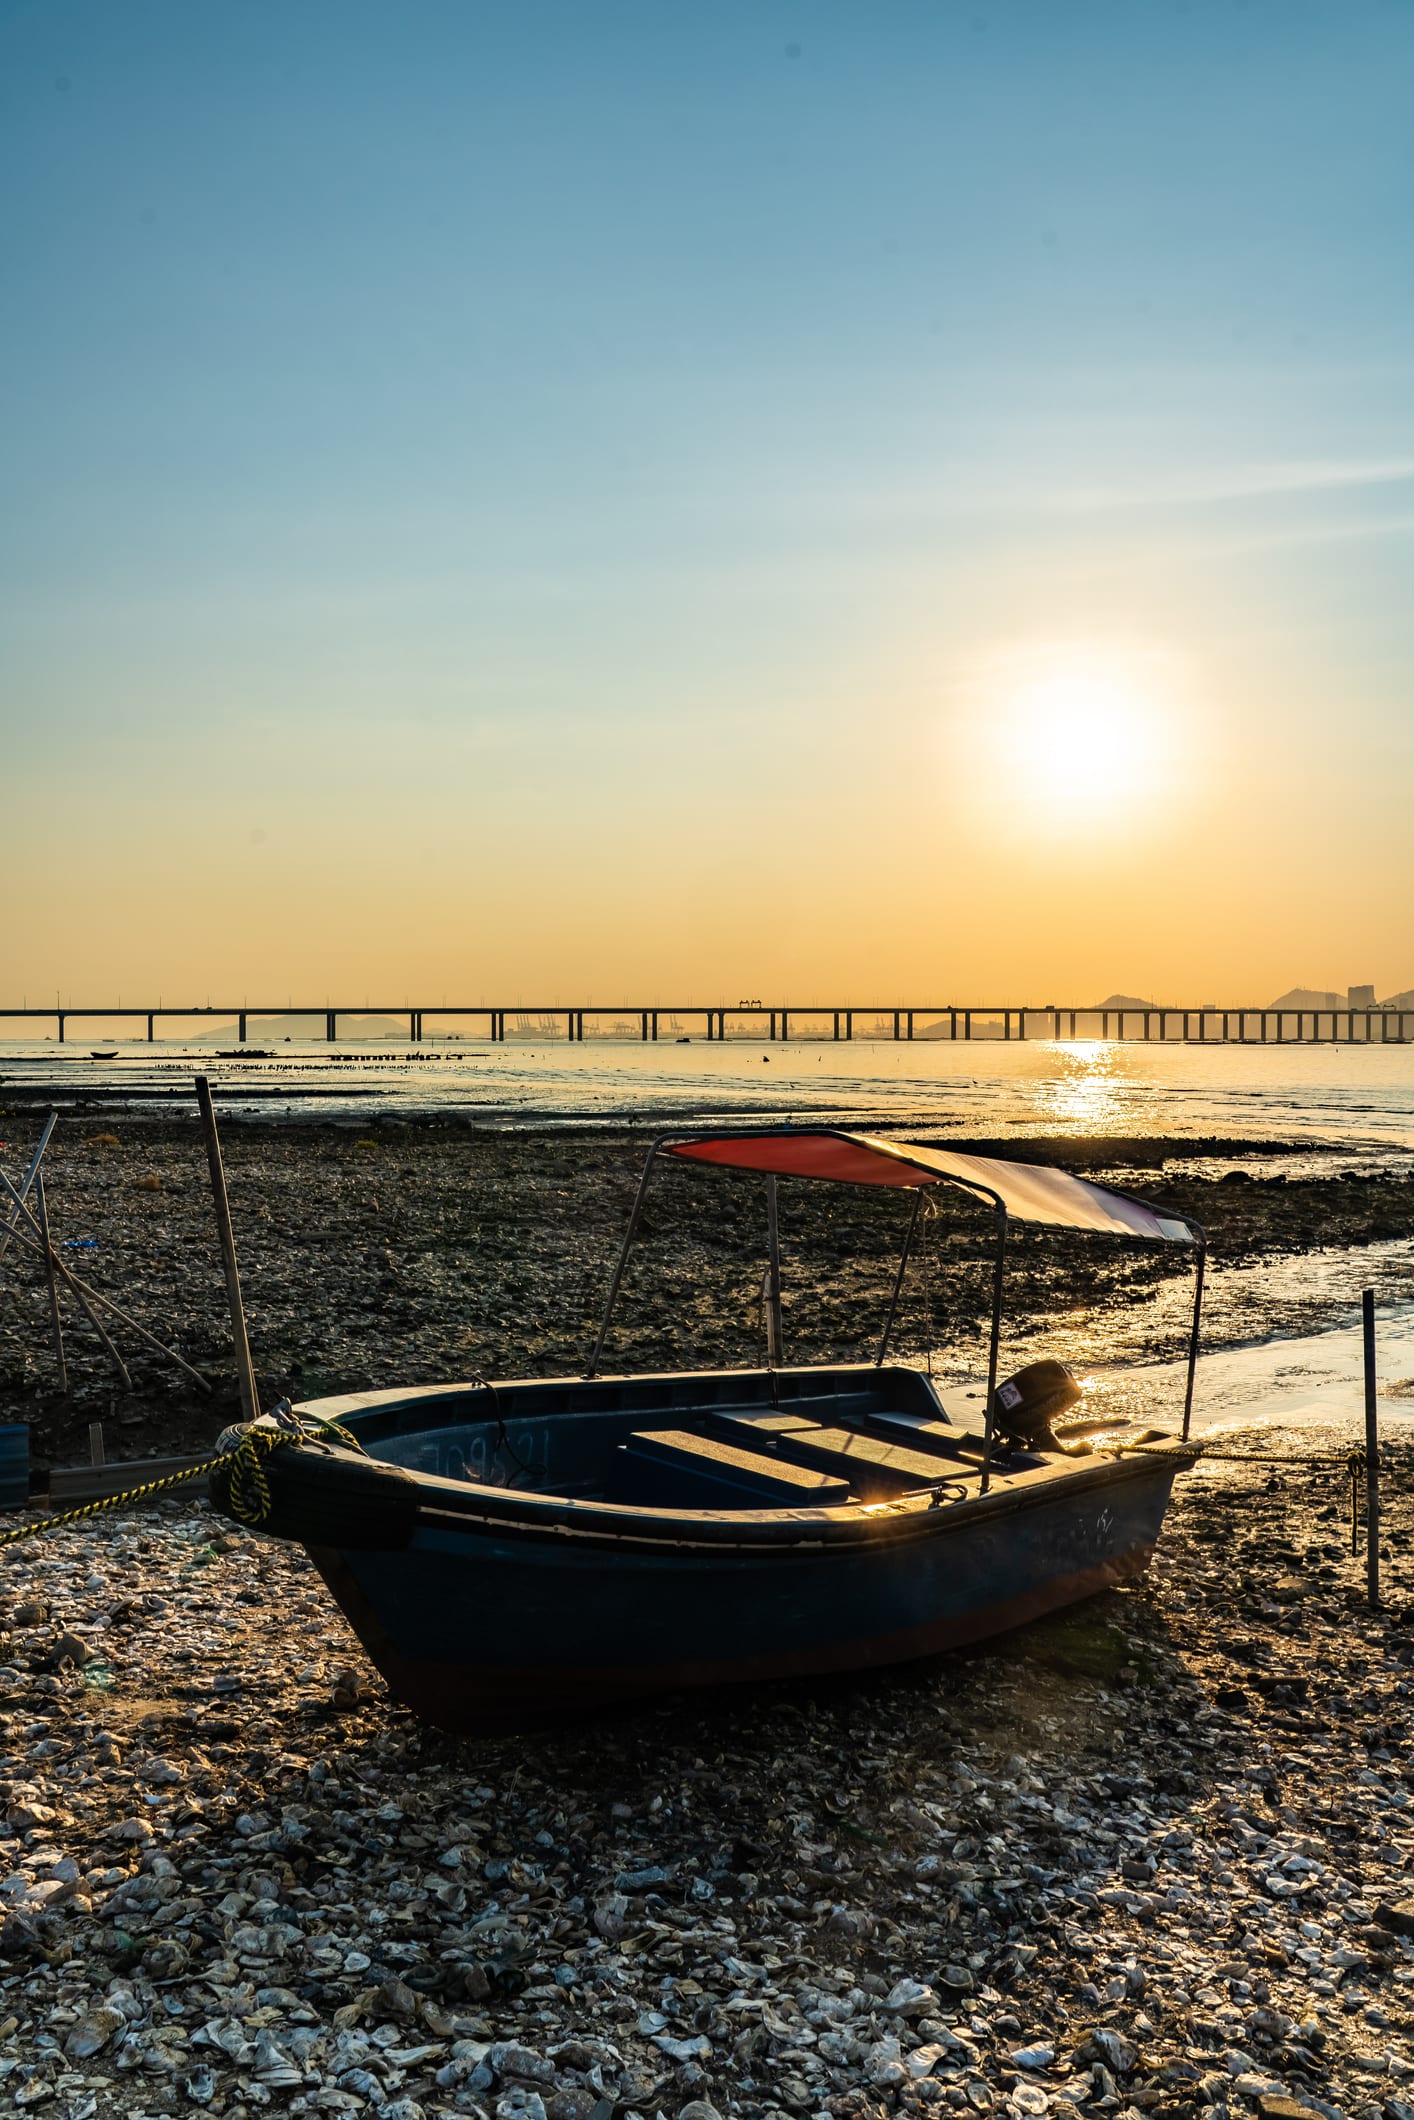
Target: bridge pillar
896, 1026
149, 1029
240, 1028
329, 1026
60, 1013
849, 1023
1006, 1024
966, 1024
910, 1025
653, 1022
785, 1028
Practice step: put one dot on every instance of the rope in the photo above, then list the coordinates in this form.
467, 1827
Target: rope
1352, 1463
249, 1489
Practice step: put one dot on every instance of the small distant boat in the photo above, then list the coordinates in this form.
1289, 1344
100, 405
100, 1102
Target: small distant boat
104, 1052
514, 1553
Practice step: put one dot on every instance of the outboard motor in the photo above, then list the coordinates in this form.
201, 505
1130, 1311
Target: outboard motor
1028, 1402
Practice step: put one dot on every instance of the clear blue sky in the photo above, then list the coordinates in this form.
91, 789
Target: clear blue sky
518, 489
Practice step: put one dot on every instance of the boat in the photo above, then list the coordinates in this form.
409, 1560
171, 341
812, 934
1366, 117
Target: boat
107, 1052
512, 1554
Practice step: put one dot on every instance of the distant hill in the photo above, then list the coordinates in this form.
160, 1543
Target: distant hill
1307, 997
1113, 1001
274, 1030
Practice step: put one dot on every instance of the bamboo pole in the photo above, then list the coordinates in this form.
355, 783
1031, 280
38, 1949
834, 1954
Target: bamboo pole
33, 1241
84, 1295
55, 1320
30, 1175
245, 1373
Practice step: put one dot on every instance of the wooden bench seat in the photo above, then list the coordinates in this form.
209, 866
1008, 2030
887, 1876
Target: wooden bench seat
674, 1469
875, 1469
940, 1436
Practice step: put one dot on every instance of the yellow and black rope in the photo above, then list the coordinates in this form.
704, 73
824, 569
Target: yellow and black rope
248, 1486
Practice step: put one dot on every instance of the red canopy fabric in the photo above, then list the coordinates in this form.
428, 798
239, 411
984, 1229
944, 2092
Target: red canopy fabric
1026, 1192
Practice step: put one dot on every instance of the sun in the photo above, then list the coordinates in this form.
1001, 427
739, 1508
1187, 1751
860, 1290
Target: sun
1076, 727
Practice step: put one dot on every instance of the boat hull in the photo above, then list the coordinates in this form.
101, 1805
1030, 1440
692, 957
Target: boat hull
484, 1628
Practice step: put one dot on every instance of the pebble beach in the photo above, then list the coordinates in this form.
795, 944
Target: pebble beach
1155, 1854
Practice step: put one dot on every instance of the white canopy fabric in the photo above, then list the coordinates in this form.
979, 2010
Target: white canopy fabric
1026, 1192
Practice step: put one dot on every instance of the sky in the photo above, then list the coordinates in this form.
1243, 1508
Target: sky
533, 503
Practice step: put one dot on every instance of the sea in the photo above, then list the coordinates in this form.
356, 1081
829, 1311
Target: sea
1354, 1100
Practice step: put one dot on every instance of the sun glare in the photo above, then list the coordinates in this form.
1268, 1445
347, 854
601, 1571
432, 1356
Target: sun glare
1082, 728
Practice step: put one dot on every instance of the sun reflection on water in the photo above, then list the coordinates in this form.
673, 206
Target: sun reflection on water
1085, 1095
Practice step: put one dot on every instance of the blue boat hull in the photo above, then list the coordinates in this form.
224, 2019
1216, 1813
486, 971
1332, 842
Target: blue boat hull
483, 1627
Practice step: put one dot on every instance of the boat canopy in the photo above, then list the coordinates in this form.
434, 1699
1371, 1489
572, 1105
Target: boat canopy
1025, 1192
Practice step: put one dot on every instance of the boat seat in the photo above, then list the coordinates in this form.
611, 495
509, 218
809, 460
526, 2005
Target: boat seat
669, 1468
940, 1436
875, 1470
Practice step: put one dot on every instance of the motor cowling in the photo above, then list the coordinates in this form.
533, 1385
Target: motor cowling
1027, 1403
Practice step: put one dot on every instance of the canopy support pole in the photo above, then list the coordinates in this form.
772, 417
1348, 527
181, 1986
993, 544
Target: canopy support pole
898, 1277
629, 1234
993, 1350
774, 1341
1193, 1337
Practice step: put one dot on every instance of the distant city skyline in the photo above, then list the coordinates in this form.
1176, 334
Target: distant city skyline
718, 500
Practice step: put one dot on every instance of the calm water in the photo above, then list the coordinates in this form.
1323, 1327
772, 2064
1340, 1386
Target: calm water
1361, 1098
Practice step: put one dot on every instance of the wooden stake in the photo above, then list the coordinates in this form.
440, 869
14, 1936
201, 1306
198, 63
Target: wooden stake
1372, 1453
245, 1373
55, 1321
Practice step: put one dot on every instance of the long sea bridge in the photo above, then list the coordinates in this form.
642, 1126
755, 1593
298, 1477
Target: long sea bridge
719, 1022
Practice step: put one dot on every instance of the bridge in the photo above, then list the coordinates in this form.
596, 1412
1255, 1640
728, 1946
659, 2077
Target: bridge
1206, 1025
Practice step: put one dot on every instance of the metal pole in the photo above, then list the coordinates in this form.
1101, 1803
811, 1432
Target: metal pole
55, 1321
225, 1236
774, 1337
1193, 1337
1372, 1454
993, 1349
898, 1277
634, 1212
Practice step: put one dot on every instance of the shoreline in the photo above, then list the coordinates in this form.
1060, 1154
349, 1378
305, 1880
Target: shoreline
384, 1251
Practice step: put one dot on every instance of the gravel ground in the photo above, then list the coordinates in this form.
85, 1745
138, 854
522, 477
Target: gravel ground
1152, 1856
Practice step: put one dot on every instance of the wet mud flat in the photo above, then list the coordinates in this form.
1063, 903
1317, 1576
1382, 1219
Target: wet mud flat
1154, 1855
387, 1252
